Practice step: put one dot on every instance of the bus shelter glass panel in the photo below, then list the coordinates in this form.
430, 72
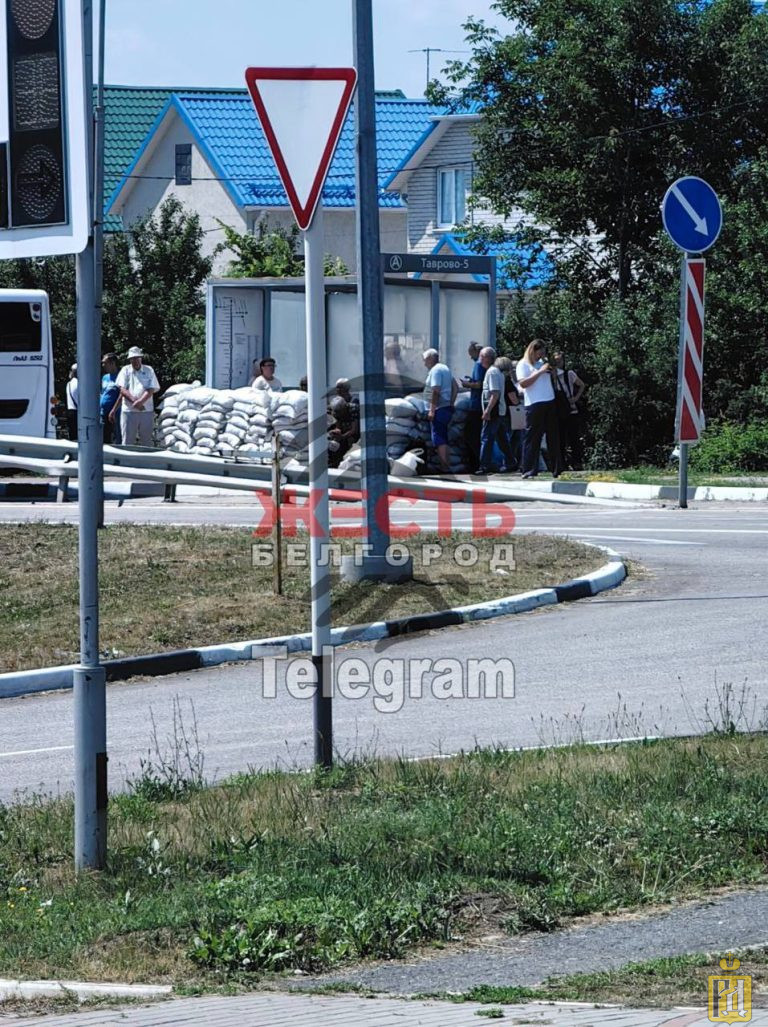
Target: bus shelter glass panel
407, 315
288, 337
463, 319
237, 321
345, 345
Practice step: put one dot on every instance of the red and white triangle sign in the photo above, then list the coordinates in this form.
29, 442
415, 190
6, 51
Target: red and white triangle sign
302, 112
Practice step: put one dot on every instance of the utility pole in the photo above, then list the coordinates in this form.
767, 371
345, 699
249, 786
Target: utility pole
89, 677
370, 305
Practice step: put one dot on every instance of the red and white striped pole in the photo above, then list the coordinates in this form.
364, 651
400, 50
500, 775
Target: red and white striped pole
690, 375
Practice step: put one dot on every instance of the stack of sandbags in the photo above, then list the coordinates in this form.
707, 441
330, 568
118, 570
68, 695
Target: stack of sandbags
459, 453
258, 435
210, 422
290, 421
353, 459
405, 423
168, 410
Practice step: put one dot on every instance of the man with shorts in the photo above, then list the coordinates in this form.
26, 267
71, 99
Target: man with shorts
440, 391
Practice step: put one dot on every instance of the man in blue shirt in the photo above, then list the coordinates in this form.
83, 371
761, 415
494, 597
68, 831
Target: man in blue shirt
474, 383
109, 404
440, 394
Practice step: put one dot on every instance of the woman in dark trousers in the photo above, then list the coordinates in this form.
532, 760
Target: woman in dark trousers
534, 376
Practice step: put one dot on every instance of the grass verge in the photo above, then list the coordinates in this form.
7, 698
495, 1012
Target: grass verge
668, 476
657, 983
168, 588
212, 887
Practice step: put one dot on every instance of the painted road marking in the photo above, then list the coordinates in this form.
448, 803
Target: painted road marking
37, 752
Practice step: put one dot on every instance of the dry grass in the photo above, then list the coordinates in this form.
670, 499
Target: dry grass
168, 588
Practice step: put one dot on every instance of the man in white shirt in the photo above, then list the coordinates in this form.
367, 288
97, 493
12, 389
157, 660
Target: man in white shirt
266, 380
440, 390
138, 384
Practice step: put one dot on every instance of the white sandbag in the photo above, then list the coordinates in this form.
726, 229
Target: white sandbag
398, 407
206, 433
199, 397
418, 403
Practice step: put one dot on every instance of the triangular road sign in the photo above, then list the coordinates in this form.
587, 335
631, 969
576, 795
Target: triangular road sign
302, 112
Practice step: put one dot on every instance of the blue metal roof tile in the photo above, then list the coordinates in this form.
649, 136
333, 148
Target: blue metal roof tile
230, 134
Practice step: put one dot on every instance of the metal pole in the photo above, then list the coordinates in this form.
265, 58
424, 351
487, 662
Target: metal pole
682, 463
683, 476
98, 193
319, 533
369, 289
89, 678
277, 525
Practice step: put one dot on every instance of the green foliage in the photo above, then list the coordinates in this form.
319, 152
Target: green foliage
271, 252
589, 112
153, 277
727, 447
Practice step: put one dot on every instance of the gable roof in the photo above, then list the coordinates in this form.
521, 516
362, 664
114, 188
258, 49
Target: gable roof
518, 266
129, 113
228, 133
440, 123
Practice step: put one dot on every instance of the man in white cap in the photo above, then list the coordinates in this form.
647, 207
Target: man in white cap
138, 384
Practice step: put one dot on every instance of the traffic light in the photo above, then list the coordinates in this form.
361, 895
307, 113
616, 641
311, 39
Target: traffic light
36, 152
44, 162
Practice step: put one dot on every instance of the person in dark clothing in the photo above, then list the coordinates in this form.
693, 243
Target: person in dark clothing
569, 415
474, 383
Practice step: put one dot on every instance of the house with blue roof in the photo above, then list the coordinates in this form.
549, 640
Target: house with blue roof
436, 178
208, 150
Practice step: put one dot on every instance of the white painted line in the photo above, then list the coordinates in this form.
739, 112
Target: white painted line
636, 538
35, 752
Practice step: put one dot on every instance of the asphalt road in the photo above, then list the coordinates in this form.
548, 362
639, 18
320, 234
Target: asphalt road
651, 657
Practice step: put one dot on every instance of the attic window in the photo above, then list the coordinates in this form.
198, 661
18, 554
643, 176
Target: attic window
183, 164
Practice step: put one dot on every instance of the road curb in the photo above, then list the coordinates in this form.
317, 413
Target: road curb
50, 679
624, 490
13, 990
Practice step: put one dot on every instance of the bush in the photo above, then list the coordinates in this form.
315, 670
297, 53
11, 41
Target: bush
727, 447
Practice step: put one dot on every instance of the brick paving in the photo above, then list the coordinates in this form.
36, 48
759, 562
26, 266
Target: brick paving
272, 1009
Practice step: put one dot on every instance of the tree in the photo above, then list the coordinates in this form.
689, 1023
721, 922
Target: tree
271, 252
153, 291
591, 108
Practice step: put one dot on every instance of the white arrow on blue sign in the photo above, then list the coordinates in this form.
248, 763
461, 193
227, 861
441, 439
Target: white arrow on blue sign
692, 214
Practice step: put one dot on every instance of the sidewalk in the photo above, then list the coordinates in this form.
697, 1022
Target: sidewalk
270, 1009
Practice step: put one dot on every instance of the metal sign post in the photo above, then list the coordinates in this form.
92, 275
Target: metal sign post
89, 677
693, 218
302, 112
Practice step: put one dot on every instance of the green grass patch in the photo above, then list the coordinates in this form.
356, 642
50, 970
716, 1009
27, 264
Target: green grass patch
168, 588
276, 872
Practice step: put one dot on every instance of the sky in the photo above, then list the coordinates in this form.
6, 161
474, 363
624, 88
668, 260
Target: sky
212, 42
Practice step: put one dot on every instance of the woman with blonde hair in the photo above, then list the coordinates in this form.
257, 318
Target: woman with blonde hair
534, 376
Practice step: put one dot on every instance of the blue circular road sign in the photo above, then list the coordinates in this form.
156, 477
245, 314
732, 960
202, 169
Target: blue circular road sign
692, 214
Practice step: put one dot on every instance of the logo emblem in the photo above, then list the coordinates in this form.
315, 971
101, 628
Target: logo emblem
730, 995
395, 262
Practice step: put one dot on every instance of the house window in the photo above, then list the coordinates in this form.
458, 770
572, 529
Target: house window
452, 190
183, 164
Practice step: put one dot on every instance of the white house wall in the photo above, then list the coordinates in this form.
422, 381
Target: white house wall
455, 149
206, 196
339, 231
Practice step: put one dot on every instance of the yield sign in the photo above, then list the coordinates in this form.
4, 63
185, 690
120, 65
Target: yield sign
302, 112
